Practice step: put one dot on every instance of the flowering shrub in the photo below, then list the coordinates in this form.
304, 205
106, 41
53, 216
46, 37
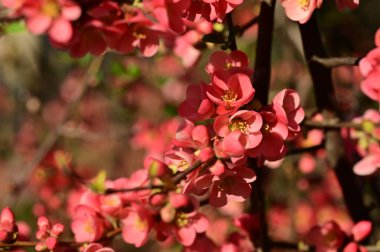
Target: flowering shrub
202, 180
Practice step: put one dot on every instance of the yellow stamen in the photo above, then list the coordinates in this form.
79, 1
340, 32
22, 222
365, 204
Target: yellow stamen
304, 4
181, 220
229, 96
238, 125
51, 9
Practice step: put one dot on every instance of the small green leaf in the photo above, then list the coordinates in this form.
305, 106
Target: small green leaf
14, 27
98, 183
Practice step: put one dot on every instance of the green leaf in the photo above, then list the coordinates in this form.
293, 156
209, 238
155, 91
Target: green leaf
14, 27
98, 183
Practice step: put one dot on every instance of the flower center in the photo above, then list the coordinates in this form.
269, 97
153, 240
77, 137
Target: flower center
229, 96
266, 129
304, 4
139, 35
51, 9
183, 165
181, 220
238, 125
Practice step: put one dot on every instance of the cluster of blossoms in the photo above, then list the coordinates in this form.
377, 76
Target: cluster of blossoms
94, 26
47, 234
369, 136
301, 10
206, 160
330, 237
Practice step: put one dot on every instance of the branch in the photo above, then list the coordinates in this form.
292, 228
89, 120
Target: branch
332, 125
69, 243
135, 189
176, 179
337, 156
231, 33
195, 166
307, 149
262, 74
336, 62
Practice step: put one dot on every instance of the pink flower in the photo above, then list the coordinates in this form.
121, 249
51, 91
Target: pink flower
136, 226
370, 69
232, 185
185, 227
52, 16
190, 136
370, 163
86, 225
168, 13
291, 103
359, 232
179, 160
47, 234
275, 131
185, 45
8, 227
196, 107
328, 237
137, 34
300, 10
235, 62
248, 123
231, 94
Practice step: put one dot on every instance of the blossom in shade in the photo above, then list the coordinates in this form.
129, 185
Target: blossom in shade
231, 185
328, 237
275, 132
196, 107
235, 62
291, 103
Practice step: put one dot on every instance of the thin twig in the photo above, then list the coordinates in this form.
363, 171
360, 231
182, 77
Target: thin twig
195, 166
68, 243
135, 189
332, 125
336, 62
307, 149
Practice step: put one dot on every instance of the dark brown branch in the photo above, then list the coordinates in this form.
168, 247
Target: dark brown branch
336, 62
262, 74
70, 243
307, 149
332, 125
326, 102
242, 29
134, 189
231, 33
